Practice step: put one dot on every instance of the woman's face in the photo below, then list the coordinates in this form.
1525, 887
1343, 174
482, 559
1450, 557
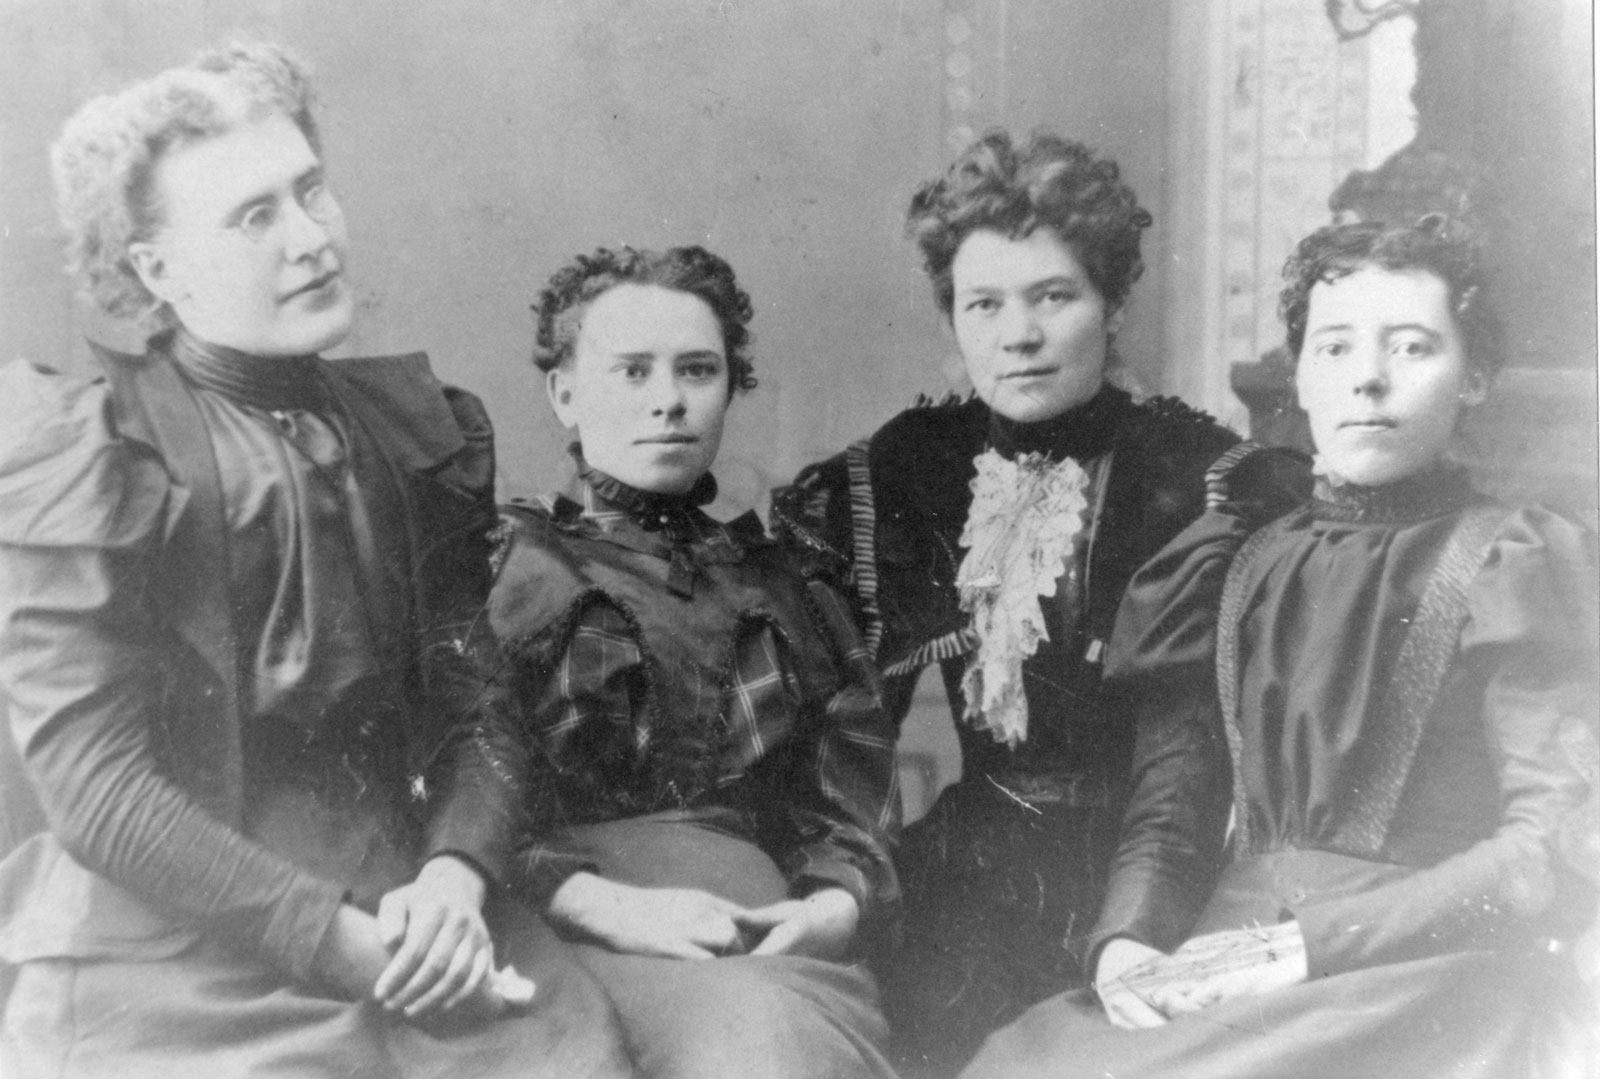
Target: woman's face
646, 387
1383, 373
1031, 326
252, 249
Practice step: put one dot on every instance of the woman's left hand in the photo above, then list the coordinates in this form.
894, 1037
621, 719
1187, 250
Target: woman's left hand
821, 925
1222, 966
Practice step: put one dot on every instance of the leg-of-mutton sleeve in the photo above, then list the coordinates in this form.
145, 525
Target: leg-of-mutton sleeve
1519, 694
83, 663
473, 809
850, 831
1162, 659
1530, 644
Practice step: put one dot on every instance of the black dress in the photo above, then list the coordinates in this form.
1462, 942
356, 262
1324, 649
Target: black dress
1425, 922
1004, 874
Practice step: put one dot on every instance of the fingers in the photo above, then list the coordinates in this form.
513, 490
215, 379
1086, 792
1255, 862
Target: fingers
477, 976
1128, 1011
420, 936
432, 965
466, 964
781, 938
392, 914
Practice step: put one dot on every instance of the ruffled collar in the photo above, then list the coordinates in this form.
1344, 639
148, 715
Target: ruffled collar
650, 510
274, 383
1080, 433
1434, 492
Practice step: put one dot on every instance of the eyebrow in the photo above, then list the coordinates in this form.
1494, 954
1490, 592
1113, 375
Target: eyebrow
698, 353
1031, 286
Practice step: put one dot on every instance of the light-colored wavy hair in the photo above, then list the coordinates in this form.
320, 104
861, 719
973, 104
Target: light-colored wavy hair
105, 158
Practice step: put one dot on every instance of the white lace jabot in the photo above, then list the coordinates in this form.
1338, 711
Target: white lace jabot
1026, 515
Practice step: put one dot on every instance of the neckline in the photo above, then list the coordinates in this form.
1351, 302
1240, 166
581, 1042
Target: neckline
1081, 432
1434, 492
649, 509
273, 383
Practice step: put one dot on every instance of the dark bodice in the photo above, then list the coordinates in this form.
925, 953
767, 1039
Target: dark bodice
895, 505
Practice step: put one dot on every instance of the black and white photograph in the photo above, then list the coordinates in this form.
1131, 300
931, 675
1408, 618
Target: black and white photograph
799, 539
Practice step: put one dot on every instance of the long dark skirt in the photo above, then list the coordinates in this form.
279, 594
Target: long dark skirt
1461, 1016
777, 1017
206, 1013
996, 896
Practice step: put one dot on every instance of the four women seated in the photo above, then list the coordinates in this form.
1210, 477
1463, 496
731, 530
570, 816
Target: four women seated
309, 810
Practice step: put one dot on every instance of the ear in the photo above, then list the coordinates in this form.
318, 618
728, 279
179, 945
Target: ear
149, 260
558, 386
1114, 320
1477, 388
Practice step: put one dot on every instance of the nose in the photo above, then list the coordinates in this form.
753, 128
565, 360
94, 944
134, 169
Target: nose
305, 236
667, 398
1370, 372
1019, 328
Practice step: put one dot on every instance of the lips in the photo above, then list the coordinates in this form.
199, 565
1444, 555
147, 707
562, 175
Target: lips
667, 440
1028, 372
1377, 423
315, 284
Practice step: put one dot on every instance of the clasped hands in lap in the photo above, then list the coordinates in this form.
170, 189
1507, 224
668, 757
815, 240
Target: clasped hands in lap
1142, 987
427, 956
687, 923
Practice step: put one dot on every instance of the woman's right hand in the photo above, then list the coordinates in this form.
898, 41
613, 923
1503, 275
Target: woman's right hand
1125, 1007
676, 923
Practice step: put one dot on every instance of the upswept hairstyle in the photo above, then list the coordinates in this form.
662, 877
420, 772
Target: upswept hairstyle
1436, 244
105, 158
1052, 182
694, 270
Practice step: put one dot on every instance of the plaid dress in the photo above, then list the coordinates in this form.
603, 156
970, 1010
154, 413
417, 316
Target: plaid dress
698, 711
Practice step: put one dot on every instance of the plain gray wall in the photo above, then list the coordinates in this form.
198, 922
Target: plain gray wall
477, 146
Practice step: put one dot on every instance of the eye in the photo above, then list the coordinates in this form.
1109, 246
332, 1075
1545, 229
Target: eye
1411, 347
1057, 296
983, 304
257, 220
316, 198
635, 372
1331, 350
700, 370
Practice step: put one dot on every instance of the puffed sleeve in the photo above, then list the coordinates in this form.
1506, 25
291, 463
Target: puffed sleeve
1161, 660
473, 811
82, 664
1531, 638
853, 821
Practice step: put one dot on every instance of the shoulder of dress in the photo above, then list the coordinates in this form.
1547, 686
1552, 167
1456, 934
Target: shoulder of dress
1258, 482
539, 573
1167, 416
930, 420
67, 474
423, 423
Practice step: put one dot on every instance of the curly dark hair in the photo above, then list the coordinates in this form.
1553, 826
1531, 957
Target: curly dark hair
1436, 244
1052, 182
694, 270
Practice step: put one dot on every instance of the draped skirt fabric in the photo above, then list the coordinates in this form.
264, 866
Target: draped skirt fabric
1462, 1016
777, 1017
996, 893
207, 1013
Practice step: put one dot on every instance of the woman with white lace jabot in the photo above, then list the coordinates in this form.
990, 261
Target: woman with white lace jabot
994, 536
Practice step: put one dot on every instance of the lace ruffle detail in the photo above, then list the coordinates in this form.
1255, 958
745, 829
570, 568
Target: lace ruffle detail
1026, 515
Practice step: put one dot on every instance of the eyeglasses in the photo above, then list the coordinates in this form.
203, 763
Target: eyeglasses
261, 219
